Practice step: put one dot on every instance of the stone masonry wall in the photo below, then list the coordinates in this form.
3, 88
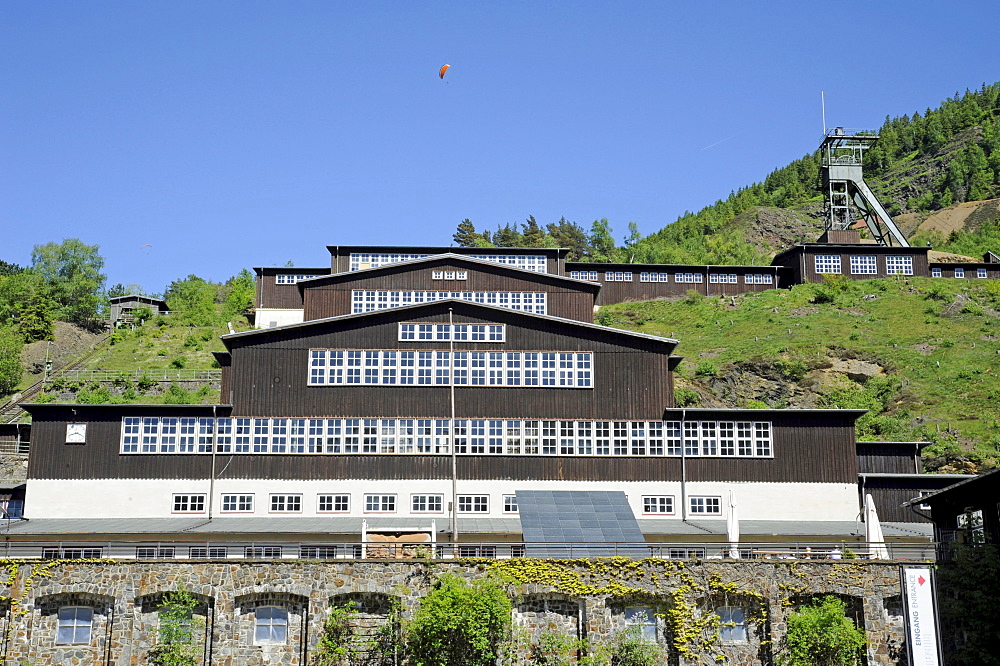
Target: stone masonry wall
124, 596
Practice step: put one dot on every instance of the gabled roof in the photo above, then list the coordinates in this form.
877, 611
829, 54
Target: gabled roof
513, 271
453, 302
137, 297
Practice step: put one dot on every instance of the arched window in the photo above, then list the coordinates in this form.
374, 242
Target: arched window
75, 623
732, 624
270, 625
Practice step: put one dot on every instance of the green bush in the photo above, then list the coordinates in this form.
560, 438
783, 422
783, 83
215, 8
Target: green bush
178, 363
685, 397
460, 624
175, 645
820, 634
706, 369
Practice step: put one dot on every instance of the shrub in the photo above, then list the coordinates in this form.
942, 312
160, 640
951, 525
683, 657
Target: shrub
178, 362
460, 624
145, 382
176, 646
685, 397
820, 634
631, 649
706, 369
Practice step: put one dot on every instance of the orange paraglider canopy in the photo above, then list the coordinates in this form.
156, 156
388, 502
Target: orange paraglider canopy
444, 68
147, 245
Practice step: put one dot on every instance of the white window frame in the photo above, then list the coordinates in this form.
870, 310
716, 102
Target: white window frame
338, 502
285, 503
658, 505
960, 273
864, 264
239, 501
423, 368
270, 625
290, 278
473, 504
432, 332
380, 503
537, 263
618, 276
689, 278
155, 552
188, 503
208, 552
826, 264
590, 276
935, 272
705, 505
758, 278
981, 273
732, 624
654, 277
510, 504
75, 625
365, 300
898, 264
426, 503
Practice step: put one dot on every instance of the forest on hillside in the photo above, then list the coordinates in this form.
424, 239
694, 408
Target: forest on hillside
922, 162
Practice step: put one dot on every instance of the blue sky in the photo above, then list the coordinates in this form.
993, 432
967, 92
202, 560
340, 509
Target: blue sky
240, 134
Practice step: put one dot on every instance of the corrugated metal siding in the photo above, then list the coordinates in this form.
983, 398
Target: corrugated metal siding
886, 459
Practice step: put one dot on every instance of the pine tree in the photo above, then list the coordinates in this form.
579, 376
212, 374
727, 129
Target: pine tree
465, 234
533, 236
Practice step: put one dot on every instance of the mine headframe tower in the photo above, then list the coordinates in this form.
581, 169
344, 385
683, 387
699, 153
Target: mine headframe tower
845, 190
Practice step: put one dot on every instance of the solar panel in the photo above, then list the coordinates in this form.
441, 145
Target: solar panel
578, 523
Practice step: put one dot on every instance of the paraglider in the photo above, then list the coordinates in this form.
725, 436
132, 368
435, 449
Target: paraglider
147, 245
444, 68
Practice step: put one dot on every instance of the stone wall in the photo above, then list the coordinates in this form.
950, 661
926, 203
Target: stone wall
584, 598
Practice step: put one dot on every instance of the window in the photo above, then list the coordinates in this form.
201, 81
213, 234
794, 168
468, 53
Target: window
317, 552
981, 273
270, 626
449, 275
286, 503
863, 265
154, 553
758, 278
287, 278
723, 278
473, 503
688, 277
237, 503
899, 265
643, 619
960, 272
935, 272
75, 623
584, 275
705, 506
529, 262
658, 504
262, 552
522, 301
380, 503
510, 503
618, 276
654, 277
334, 503
827, 263
732, 624
373, 367
201, 553
427, 503
189, 503
444, 332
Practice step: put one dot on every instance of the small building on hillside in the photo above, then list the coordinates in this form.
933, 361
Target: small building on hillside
123, 308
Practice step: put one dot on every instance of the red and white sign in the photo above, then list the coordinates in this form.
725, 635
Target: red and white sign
921, 620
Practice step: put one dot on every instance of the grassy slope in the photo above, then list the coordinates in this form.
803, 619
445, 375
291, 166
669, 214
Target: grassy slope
937, 339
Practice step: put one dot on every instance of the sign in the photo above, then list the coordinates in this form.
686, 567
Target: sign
921, 616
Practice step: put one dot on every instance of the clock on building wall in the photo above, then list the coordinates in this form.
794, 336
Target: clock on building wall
76, 433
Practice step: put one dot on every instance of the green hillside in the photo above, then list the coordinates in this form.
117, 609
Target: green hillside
922, 354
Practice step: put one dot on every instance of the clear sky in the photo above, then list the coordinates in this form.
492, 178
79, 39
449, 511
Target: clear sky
240, 134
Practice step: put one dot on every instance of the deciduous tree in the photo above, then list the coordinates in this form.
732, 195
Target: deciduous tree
72, 271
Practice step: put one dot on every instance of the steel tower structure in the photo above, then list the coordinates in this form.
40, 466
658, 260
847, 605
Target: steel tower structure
845, 189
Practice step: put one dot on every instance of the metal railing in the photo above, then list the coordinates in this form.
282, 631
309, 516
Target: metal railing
356, 550
164, 375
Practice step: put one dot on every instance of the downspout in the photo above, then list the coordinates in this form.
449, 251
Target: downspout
211, 480
683, 468
454, 455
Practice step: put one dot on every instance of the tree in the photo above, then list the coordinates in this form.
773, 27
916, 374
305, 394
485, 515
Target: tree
632, 240
465, 235
9, 269
242, 290
602, 241
11, 346
460, 624
193, 298
532, 235
176, 646
25, 305
571, 236
508, 236
820, 634
72, 272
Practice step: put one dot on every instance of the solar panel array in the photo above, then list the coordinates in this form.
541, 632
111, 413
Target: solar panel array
578, 523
